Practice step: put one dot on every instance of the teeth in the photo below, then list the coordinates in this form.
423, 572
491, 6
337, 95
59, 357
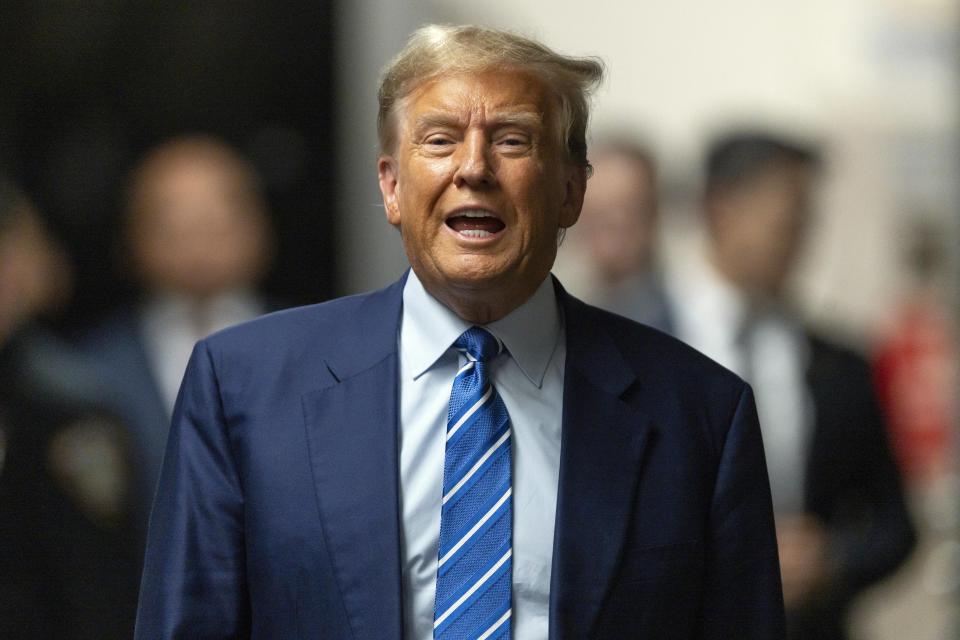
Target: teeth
476, 233
475, 213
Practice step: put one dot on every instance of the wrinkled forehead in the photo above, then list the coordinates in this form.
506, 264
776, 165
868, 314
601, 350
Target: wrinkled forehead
471, 97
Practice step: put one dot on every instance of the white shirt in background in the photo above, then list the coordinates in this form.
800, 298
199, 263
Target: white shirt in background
769, 350
172, 324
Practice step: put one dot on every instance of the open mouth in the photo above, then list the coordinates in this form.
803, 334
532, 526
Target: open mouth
475, 224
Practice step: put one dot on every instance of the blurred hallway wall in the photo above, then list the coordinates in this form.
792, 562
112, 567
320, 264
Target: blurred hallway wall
371, 32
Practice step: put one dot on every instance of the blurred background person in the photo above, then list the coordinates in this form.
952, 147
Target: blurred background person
198, 243
38, 285
613, 249
69, 561
841, 516
915, 361
916, 370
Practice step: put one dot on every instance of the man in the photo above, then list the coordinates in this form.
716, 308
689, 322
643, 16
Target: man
470, 452
616, 237
69, 563
841, 518
198, 242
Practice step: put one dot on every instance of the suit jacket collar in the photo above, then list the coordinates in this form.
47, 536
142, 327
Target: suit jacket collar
369, 333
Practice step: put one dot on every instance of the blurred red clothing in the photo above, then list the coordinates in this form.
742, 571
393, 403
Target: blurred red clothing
916, 374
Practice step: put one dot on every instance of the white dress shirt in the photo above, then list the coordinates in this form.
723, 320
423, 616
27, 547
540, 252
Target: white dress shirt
769, 350
529, 378
172, 324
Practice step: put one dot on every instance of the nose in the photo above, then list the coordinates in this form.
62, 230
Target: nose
474, 168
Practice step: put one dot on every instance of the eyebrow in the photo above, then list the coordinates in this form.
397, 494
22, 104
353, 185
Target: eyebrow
528, 119
436, 120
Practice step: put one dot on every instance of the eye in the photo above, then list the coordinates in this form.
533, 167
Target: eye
513, 142
438, 141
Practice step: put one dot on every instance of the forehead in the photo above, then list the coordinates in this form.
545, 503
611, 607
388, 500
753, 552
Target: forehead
472, 97
786, 177
618, 166
195, 165
188, 171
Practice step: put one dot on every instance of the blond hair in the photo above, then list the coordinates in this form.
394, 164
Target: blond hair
434, 50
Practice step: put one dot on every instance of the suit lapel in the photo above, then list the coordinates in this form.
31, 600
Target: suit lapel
352, 435
601, 453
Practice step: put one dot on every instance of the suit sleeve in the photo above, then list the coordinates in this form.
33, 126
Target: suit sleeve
194, 578
742, 590
870, 528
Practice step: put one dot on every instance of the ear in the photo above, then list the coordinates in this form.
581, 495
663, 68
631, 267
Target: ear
575, 187
389, 188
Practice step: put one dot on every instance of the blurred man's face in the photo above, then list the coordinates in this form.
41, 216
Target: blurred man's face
478, 184
198, 227
35, 275
619, 220
758, 227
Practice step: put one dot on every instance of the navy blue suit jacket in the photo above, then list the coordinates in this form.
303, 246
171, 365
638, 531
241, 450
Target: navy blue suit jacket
277, 514
117, 353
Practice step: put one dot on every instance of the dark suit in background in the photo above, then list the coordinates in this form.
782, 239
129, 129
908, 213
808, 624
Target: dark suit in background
69, 557
69, 563
852, 485
126, 369
118, 355
197, 241
841, 515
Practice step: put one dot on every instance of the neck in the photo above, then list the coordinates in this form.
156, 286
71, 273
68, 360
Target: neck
479, 306
754, 290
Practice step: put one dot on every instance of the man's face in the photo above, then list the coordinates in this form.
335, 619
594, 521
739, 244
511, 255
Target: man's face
619, 221
758, 228
479, 185
198, 228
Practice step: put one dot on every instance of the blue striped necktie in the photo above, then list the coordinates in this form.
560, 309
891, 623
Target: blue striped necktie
474, 562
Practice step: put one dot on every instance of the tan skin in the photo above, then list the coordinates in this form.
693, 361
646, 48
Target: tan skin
804, 565
34, 272
484, 143
197, 223
619, 222
757, 228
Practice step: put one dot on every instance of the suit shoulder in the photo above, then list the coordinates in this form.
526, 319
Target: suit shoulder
292, 325
679, 388
353, 332
651, 350
104, 335
825, 351
842, 379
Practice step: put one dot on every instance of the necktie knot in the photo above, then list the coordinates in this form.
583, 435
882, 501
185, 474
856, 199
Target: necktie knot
479, 343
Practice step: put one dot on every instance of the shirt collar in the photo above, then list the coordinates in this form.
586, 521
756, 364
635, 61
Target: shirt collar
232, 306
530, 332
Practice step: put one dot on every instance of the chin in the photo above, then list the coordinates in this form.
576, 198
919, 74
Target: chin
473, 266
473, 278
